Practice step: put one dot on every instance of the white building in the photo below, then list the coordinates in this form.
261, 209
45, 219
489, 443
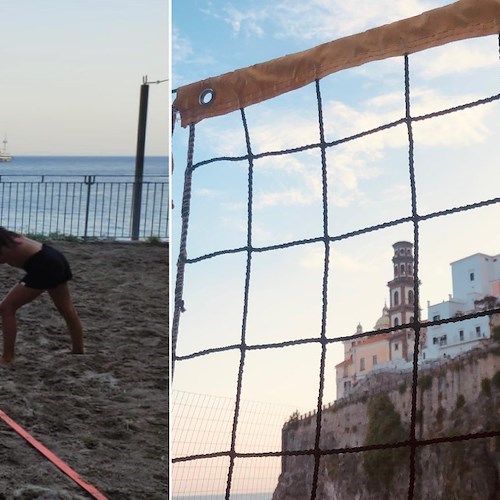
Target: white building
476, 280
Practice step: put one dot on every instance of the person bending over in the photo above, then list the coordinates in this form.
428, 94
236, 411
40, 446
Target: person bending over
46, 270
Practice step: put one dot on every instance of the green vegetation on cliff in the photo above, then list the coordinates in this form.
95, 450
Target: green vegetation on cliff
384, 427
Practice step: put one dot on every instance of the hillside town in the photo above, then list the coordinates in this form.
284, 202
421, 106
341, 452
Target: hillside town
475, 287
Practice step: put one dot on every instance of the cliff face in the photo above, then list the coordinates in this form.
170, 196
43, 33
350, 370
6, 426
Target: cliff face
456, 397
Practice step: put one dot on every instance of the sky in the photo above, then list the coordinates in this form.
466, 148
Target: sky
72, 72
455, 165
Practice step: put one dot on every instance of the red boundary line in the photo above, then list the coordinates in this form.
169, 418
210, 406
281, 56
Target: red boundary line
53, 458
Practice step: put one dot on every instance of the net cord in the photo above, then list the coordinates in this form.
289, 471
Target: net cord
181, 262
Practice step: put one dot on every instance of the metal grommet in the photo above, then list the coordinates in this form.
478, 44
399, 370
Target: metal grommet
207, 97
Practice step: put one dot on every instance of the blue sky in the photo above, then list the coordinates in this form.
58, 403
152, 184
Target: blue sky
71, 76
455, 164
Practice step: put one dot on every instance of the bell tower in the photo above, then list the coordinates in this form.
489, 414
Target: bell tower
402, 301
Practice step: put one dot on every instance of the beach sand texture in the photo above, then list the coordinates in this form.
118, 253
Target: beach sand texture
104, 413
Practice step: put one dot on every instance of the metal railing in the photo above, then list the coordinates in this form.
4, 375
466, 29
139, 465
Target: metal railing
86, 207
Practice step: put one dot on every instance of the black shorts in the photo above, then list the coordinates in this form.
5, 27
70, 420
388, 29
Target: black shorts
46, 269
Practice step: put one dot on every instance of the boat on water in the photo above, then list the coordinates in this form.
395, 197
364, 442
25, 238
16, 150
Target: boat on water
4, 155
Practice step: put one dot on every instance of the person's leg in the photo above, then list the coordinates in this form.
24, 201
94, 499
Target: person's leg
62, 300
17, 297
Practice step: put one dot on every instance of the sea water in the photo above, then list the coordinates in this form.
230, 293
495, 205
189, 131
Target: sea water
64, 166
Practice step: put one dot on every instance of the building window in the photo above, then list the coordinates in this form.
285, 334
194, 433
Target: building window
461, 334
410, 297
471, 276
435, 340
396, 298
411, 319
410, 270
408, 251
362, 364
478, 331
374, 360
436, 317
396, 270
396, 347
403, 269
443, 340
396, 321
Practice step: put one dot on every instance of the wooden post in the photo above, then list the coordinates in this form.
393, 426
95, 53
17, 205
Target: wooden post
139, 160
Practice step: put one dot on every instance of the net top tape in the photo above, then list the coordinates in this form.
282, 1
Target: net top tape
241, 88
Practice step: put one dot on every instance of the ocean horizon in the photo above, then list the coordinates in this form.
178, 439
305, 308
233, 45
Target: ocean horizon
77, 165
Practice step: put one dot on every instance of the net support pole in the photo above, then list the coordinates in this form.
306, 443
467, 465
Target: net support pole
139, 161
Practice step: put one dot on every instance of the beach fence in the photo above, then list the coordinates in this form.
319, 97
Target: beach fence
89, 206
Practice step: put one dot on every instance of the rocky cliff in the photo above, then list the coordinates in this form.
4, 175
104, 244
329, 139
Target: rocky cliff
454, 397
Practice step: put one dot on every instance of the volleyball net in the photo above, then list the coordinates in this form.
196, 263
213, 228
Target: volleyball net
275, 216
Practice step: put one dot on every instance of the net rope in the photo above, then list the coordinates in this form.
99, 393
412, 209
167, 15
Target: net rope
412, 443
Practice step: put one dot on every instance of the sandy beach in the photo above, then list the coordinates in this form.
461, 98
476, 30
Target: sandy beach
104, 413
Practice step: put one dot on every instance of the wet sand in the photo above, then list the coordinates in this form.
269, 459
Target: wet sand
104, 413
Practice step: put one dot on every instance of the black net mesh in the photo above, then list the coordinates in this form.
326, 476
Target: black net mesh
410, 444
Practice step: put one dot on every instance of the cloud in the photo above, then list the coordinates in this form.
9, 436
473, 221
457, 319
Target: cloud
208, 193
345, 120
295, 179
287, 181
397, 192
185, 56
453, 59
460, 129
181, 47
236, 206
289, 197
246, 22
316, 20
300, 174
328, 20
239, 225
314, 258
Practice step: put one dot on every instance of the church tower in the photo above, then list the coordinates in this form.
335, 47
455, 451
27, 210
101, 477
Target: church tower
362, 355
402, 302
